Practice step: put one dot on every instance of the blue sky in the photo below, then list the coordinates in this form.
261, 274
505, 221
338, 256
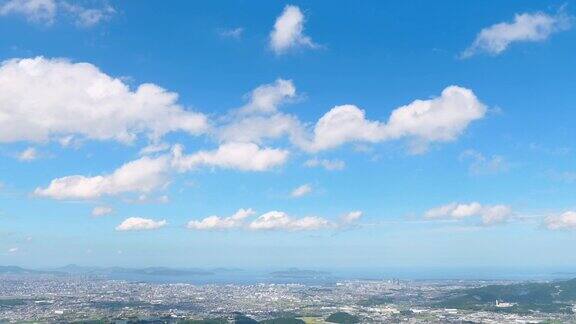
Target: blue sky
277, 134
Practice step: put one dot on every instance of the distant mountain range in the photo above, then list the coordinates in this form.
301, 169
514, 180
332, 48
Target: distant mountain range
73, 269
166, 273
19, 270
294, 273
152, 271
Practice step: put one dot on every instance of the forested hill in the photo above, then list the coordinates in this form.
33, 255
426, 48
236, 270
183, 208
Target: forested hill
557, 296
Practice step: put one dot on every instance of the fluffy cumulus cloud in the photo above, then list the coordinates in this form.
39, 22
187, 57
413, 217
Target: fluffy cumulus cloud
489, 214
46, 11
564, 221
150, 173
277, 220
272, 220
101, 211
44, 99
259, 118
143, 175
301, 191
526, 27
50, 99
218, 223
344, 124
266, 98
140, 224
288, 32
240, 156
439, 119
434, 120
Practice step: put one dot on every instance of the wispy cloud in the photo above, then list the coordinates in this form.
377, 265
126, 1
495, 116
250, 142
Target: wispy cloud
481, 164
234, 33
488, 214
29, 154
39, 11
301, 191
46, 11
140, 224
526, 27
331, 165
102, 211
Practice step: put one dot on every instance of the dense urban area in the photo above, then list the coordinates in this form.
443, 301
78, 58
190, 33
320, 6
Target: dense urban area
47, 297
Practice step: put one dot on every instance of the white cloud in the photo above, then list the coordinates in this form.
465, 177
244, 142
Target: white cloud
44, 99
29, 154
526, 27
351, 217
259, 118
154, 148
88, 17
140, 224
330, 165
442, 118
101, 110
489, 214
143, 175
148, 199
46, 11
266, 98
495, 214
345, 124
256, 128
218, 223
288, 32
301, 191
241, 156
101, 211
439, 119
277, 220
481, 164
435, 120
273, 220
147, 173
13, 250
235, 33
564, 221
39, 11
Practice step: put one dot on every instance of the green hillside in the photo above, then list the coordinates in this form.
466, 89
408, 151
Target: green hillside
550, 297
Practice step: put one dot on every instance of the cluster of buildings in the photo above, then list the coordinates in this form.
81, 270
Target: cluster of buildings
53, 298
